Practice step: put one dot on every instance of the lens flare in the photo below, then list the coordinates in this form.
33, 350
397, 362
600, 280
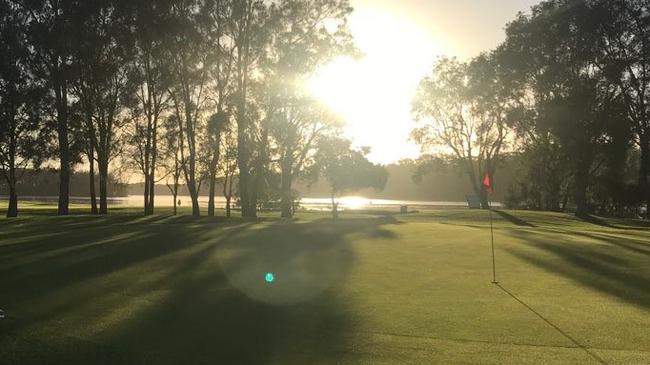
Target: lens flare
269, 277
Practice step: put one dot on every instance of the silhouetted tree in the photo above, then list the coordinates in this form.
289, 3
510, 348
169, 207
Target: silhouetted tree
297, 128
228, 163
619, 33
172, 161
306, 35
102, 54
149, 75
21, 129
347, 169
250, 39
216, 124
464, 107
50, 31
191, 60
550, 54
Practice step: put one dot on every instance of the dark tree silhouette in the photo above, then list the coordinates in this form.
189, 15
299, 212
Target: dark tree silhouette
347, 169
50, 33
21, 97
464, 108
550, 54
149, 75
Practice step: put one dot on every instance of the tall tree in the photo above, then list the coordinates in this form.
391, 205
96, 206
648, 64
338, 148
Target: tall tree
619, 33
21, 96
250, 37
191, 59
172, 160
101, 56
216, 125
222, 39
551, 52
464, 109
346, 169
307, 34
297, 129
50, 36
228, 164
149, 73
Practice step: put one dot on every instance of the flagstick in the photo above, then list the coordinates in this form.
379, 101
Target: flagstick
494, 267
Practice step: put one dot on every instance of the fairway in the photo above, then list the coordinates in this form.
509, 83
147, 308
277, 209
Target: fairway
370, 288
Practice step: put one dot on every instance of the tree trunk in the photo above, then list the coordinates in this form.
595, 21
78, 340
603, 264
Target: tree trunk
252, 202
286, 201
152, 186
258, 188
243, 192
12, 210
335, 210
64, 148
213, 183
480, 192
477, 184
243, 143
565, 200
175, 202
227, 191
146, 169
147, 177
91, 173
103, 182
644, 173
196, 210
261, 167
152, 194
243, 160
146, 194
154, 158
580, 192
213, 177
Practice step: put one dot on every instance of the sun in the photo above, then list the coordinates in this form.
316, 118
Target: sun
353, 202
373, 93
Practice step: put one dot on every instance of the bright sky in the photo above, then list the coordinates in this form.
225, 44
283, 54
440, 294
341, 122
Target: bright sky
400, 41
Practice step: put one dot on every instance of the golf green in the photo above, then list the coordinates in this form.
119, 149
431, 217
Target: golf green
369, 288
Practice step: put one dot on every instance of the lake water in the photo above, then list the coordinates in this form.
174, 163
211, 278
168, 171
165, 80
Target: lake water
347, 202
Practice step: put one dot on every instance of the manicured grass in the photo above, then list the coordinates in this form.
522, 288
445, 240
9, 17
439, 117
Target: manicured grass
371, 288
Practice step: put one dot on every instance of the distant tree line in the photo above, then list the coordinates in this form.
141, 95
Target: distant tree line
567, 92
44, 182
183, 92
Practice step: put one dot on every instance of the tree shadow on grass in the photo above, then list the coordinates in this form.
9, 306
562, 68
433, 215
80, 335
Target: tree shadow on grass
512, 219
610, 267
638, 245
597, 221
177, 294
239, 317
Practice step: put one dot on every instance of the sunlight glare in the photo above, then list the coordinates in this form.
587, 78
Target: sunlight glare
373, 94
353, 202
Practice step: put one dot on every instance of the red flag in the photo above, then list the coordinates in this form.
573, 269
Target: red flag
487, 184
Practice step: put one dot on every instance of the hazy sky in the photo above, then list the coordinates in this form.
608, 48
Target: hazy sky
463, 27
401, 39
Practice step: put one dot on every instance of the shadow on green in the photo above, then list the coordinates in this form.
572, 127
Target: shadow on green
145, 290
